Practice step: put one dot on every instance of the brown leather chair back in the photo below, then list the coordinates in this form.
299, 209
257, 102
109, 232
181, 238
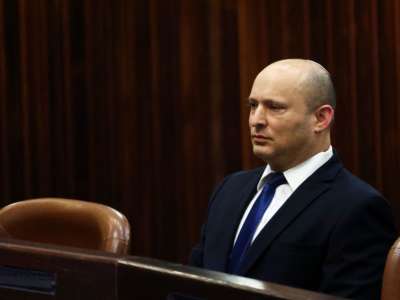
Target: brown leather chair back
66, 222
391, 275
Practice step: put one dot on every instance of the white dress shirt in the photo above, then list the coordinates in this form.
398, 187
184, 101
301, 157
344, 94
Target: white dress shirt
294, 177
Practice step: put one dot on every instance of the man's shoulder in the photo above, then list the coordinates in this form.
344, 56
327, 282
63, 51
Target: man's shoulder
237, 180
355, 191
344, 180
244, 175
355, 183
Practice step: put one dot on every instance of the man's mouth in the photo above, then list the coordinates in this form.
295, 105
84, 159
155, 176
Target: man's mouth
259, 138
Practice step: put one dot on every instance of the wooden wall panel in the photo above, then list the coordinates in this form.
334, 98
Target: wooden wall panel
3, 108
389, 98
141, 105
367, 101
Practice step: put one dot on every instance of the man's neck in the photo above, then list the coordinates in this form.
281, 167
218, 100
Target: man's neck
283, 166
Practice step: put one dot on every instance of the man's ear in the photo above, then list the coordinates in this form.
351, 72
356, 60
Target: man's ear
324, 117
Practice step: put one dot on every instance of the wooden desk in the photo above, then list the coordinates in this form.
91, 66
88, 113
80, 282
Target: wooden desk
34, 271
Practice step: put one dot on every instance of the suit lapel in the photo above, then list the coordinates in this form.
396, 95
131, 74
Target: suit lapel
309, 191
235, 212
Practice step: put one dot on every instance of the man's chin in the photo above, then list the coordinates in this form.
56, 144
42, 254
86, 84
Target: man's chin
263, 154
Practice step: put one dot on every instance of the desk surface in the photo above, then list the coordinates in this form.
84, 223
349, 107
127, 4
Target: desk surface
38, 271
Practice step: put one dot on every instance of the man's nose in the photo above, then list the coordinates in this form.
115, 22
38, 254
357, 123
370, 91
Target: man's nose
259, 118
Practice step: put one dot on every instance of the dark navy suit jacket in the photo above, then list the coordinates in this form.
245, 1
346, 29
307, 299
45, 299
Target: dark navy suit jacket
332, 235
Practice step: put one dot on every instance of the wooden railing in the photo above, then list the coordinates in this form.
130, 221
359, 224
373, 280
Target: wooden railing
33, 271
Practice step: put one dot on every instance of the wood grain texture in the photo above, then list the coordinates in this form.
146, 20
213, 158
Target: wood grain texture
141, 105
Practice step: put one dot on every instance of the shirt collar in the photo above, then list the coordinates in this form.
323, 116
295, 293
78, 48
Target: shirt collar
298, 174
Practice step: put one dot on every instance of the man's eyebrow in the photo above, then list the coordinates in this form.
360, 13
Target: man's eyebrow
264, 100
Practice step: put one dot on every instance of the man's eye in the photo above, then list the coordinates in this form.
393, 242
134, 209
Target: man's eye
252, 104
276, 106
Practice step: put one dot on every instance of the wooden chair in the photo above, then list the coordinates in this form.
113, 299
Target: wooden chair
66, 222
391, 275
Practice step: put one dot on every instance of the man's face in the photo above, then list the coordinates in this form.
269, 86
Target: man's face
281, 124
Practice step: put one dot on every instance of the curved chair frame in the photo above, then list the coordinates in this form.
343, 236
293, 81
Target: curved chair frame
67, 222
391, 275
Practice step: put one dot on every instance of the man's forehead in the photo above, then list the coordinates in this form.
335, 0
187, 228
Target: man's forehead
277, 92
279, 81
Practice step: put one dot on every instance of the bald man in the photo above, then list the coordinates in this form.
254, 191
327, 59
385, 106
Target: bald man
302, 220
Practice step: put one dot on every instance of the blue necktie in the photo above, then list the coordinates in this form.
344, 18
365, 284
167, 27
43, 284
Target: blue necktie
253, 219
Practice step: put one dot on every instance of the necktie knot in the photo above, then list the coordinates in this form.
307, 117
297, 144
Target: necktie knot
275, 179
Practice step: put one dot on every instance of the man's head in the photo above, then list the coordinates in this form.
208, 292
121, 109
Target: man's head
292, 105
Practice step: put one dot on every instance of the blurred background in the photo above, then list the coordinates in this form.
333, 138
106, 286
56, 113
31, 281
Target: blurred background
142, 104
